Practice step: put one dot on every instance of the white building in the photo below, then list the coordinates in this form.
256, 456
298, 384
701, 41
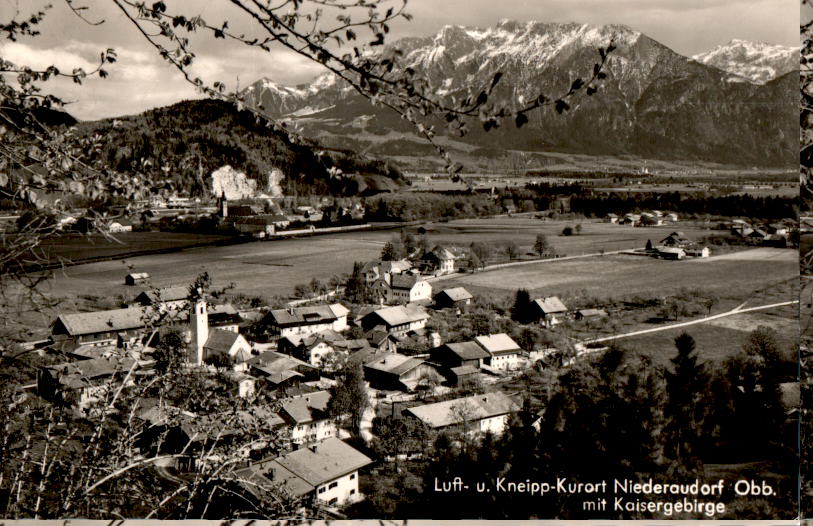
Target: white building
407, 288
481, 413
506, 354
327, 471
307, 320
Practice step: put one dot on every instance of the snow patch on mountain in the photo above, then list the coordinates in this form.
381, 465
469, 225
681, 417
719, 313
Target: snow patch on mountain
758, 62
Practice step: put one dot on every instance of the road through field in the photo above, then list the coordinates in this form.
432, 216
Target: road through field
737, 310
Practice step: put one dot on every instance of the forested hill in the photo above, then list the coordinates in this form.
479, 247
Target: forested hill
184, 143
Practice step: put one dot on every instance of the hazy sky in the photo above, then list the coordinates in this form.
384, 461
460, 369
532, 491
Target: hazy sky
140, 79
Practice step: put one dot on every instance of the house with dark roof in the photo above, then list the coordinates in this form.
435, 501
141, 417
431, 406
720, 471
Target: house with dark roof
488, 412
83, 382
676, 239
136, 278
326, 471
298, 321
397, 372
227, 343
504, 353
397, 320
548, 311
307, 417
452, 298
452, 355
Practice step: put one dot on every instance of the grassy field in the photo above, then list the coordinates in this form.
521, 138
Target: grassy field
76, 246
718, 339
607, 276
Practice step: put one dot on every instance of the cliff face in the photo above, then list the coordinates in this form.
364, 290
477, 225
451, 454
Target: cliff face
237, 185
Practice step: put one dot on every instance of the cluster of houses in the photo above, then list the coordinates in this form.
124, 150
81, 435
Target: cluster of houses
305, 346
653, 218
772, 233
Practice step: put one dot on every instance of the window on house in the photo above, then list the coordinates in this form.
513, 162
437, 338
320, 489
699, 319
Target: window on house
322, 489
352, 476
352, 492
334, 500
332, 485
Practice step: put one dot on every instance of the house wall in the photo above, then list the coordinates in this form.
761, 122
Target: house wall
505, 362
494, 424
340, 324
307, 329
340, 491
314, 431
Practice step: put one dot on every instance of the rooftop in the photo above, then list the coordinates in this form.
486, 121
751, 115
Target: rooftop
82, 323
400, 315
456, 294
477, 407
550, 305
392, 363
306, 408
468, 350
497, 343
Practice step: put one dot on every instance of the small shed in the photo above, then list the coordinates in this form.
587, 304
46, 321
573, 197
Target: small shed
136, 278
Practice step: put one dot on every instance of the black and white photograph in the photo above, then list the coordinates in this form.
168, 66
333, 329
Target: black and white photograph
405, 259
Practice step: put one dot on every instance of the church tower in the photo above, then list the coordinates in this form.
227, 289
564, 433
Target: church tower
200, 329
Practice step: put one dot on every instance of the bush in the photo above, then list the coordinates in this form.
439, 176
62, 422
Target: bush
567, 231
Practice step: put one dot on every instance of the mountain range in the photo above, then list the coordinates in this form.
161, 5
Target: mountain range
735, 104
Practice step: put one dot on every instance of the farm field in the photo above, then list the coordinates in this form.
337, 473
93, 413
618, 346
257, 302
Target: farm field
717, 340
76, 246
617, 275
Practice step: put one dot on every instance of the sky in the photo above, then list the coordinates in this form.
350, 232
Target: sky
141, 80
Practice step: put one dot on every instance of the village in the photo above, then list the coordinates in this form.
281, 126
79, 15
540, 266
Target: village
388, 326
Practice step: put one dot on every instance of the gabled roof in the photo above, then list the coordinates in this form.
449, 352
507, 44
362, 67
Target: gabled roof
440, 253
138, 275
403, 281
498, 343
271, 362
367, 355
301, 471
306, 408
550, 305
464, 370
80, 374
456, 294
310, 340
82, 323
395, 364
153, 297
467, 350
400, 314
307, 315
221, 341
477, 407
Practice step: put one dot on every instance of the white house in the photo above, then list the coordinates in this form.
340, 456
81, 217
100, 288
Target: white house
397, 320
407, 288
548, 311
506, 354
307, 417
482, 413
307, 320
327, 471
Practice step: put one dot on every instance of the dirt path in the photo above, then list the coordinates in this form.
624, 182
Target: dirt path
736, 310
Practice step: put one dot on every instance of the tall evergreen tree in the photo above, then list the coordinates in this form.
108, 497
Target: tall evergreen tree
686, 385
520, 312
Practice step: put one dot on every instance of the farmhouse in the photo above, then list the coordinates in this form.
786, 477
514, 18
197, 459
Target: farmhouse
482, 413
80, 383
452, 298
311, 348
698, 252
611, 218
136, 278
505, 353
281, 371
307, 417
398, 320
676, 239
407, 288
326, 471
227, 343
306, 320
547, 311
452, 355
396, 372
439, 260
101, 327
